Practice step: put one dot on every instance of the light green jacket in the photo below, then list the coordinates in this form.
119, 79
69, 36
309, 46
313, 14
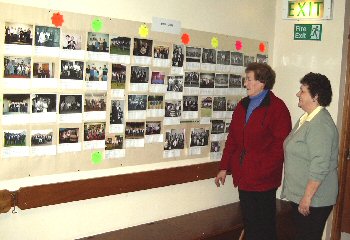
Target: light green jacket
311, 152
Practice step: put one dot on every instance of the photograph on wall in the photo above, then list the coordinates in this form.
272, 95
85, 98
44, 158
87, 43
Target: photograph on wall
96, 71
142, 47
153, 127
17, 67
236, 58
227, 125
41, 137
118, 76
209, 56
260, 58
114, 141
178, 56
217, 126
223, 58
43, 103
219, 104
155, 102
18, 33
15, 138
191, 79
43, 70
95, 102
94, 131
139, 74
248, 59
70, 104
71, 41
72, 70
68, 135
235, 81
173, 109
232, 102
120, 45
157, 77
16, 104
98, 42
199, 137
117, 112
206, 106
161, 52
190, 103
175, 83
174, 139
134, 130
215, 146
47, 36
137, 102
221, 80
193, 54
206, 80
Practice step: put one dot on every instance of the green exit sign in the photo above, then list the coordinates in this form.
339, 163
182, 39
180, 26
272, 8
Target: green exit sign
308, 32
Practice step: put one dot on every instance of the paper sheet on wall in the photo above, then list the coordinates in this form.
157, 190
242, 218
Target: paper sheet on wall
217, 137
155, 113
47, 51
192, 66
115, 153
156, 138
44, 83
72, 54
69, 147
220, 91
142, 60
191, 91
208, 67
157, 88
219, 114
195, 150
237, 70
94, 115
204, 120
189, 115
222, 68
173, 96
102, 86
171, 153
116, 128
165, 63
21, 119
171, 121
117, 93
136, 115
10, 152
16, 49
123, 59
71, 84
94, 144
177, 70
43, 151
17, 83
206, 91
71, 118
215, 155
139, 87
98, 56
131, 143
49, 117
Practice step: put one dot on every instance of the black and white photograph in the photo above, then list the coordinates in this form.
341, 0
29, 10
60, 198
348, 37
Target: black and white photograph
43, 70
96, 71
118, 76
137, 102
235, 81
18, 33
261, 58
142, 47
120, 45
221, 80
209, 56
70, 104
193, 54
157, 78
15, 138
227, 126
155, 102
173, 109
223, 57
217, 126
191, 79
139, 74
199, 137
206, 80
215, 146
206, 106
16, 104
47, 36
134, 130
72, 70
219, 104
117, 112
98, 42
71, 41
68, 135
94, 131
114, 142
232, 103
175, 83
190, 103
41, 137
248, 59
178, 56
161, 52
95, 102
174, 139
42, 103
153, 127
17, 67
236, 58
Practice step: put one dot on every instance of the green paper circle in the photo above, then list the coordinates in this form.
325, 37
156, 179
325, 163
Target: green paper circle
97, 24
96, 157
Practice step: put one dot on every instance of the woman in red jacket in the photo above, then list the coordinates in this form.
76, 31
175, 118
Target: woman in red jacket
254, 151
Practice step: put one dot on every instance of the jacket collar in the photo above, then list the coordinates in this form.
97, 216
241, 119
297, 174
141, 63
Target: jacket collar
265, 102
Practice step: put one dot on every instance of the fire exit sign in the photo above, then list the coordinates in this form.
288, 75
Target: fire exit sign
308, 32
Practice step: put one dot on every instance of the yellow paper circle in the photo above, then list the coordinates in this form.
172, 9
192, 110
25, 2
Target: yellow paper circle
143, 30
215, 42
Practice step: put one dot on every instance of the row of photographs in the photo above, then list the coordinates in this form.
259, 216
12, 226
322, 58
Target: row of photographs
69, 104
44, 36
174, 138
21, 67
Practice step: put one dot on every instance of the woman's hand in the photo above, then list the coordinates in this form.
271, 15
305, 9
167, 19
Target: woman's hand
304, 206
220, 178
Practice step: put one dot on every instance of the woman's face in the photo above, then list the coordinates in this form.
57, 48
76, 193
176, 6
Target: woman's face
306, 102
254, 87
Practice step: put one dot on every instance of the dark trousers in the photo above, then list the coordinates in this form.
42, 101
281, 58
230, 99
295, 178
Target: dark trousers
310, 227
259, 214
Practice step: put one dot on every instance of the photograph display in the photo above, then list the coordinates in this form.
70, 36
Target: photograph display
15, 138
117, 112
206, 80
217, 126
96, 71
43, 69
193, 54
161, 52
215, 146
42, 103
199, 137
248, 59
219, 104
41, 137
17, 67
71, 41
139, 74
72, 70
134, 130
157, 78
221, 80
191, 79
68, 135
114, 142
173, 109
155, 102
17, 33
153, 127
237, 58
120, 45
16, 103
95, 102
70, 104
94, 131
47, 36
206, 106
175, 83
190, 103
223, 57
142, 47
174, 139
118, 76
98, 42
235, 81
209, 56
178, 56
137, 102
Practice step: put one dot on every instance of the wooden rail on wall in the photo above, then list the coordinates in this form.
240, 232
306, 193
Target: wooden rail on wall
50, 194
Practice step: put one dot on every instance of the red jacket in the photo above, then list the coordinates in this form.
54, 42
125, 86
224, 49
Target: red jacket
254, 150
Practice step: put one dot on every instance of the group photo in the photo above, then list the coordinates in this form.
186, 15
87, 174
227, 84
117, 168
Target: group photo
117, 112
173, 108
71, 41
175, 83
142, 47
161, 52
95, 102
235, 81
153, 127
114, 141
219, 104
17, 67
72, 70
96, 71
190, 103
16, 33
155, 102
223, 58
209, 56
178, 56
206, 80
217, 126
191, 79
174, 139
70, 104
221, 80
139, 74
68, 135
206, 106
41, 137
118, 76
43, 103
47, 36
236, 58
15, 138
94, 131
120, 45
137, 102
157, 77
193, 54
134, 130
199, 137
98, 42
43, 69
16, 104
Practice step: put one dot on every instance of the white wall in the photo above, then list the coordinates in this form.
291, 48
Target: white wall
84, 218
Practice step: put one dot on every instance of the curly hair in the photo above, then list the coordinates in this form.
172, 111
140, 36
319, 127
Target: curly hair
319, 85
263, 73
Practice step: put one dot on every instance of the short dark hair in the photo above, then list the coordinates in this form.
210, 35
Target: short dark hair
263, 73
319, 85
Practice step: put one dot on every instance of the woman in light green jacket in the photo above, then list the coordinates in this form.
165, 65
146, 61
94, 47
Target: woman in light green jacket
311, 159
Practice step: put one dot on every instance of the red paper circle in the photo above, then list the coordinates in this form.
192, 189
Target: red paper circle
185, 38
239, 45
57, 19
262, 47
